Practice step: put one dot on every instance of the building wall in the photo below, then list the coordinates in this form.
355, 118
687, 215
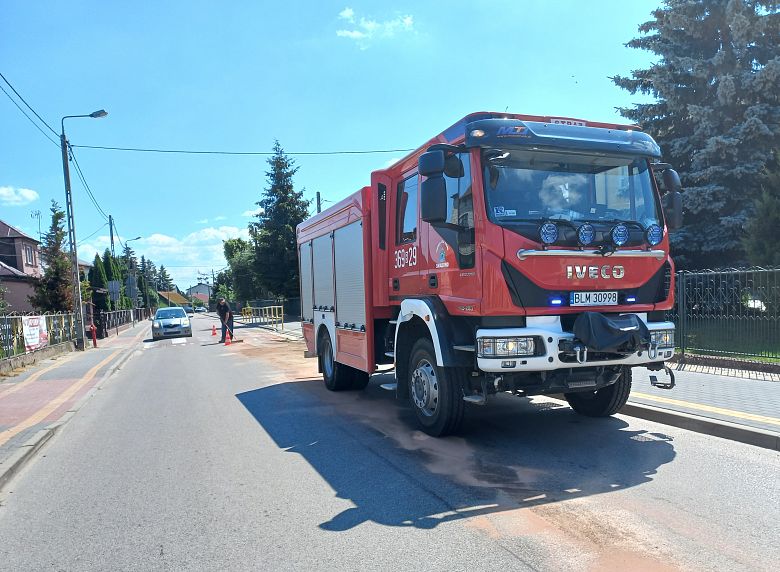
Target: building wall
16, 293
31, 269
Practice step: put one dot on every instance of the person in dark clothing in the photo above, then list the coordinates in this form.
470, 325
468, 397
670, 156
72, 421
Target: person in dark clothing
226, 317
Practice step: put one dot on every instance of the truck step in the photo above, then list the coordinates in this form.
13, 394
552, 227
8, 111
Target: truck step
390, 354
475, 399
389, 386
464, 348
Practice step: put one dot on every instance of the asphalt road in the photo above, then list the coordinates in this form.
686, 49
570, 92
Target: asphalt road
197, 456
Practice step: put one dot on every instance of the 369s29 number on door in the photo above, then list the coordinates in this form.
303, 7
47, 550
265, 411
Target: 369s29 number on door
406, 257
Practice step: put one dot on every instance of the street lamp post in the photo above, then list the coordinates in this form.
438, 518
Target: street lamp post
78, 309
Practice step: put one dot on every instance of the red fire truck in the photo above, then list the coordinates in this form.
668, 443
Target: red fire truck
511, 253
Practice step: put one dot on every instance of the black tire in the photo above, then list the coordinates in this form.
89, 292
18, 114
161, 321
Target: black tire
337, 376
439, 388
605, 401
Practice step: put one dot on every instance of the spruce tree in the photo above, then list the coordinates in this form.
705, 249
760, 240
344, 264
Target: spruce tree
761, 241
273, 235
716, 116
54, 290
164, 279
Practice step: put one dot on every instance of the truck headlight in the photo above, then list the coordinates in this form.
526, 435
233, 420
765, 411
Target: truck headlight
662, 338
505, 347
157, 325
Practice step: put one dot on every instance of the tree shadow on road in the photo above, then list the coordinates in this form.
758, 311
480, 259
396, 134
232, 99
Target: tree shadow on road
513, 453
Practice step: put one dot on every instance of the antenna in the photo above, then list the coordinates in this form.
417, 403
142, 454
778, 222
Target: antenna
37, 214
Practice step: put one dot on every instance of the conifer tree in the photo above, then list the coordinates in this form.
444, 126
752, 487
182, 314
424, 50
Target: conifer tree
761, 240
99, 282
164, 279
54, 290
273, 235
716, 114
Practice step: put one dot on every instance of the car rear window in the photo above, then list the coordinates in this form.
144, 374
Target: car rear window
170, 313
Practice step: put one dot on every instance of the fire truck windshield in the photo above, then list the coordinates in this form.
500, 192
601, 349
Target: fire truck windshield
523, 188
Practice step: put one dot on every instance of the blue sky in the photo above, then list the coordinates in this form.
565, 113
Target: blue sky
317, 75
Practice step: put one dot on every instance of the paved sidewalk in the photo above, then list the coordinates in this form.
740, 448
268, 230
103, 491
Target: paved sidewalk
749, 402
45, 392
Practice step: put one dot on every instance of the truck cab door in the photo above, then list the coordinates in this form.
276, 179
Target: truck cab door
404, 236
453, 269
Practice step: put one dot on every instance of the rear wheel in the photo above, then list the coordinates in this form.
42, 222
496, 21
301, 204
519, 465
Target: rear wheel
434, 391
605, 401
337, 376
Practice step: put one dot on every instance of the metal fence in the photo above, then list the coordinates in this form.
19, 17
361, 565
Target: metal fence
60, 328
108, 323
729, 313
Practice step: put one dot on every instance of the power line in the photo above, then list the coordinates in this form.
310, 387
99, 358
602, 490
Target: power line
260, 153
91, 235
29, 106
38, 127
86, 186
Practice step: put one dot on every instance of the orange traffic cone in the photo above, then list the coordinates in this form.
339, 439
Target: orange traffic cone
213, 330
227, 339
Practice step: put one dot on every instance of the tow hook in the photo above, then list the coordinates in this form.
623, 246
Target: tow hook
663, 384
652, 352
582, 353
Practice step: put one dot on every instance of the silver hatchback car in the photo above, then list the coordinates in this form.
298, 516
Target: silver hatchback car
171, 322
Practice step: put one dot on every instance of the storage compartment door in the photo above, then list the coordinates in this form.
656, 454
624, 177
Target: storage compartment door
307, 292
322, 255
350, 296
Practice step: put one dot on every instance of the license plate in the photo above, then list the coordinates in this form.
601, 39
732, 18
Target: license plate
593, 299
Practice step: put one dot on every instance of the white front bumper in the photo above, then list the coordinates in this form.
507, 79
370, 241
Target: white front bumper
548, 328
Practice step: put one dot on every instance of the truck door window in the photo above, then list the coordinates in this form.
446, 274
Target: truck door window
460, 206
406, 211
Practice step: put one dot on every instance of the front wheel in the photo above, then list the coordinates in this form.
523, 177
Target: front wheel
605, 401
435, 391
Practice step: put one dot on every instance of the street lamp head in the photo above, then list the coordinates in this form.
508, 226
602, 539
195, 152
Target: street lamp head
99, 113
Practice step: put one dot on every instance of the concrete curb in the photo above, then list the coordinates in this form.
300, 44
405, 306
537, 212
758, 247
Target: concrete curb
19, 458
23, 360
716, 428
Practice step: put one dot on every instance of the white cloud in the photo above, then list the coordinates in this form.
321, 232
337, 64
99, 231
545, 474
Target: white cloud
219, 218
202, 221
364, 30
17, 197
253, 212
183, 257
353, 34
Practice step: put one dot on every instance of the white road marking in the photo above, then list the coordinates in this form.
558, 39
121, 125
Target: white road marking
178, 341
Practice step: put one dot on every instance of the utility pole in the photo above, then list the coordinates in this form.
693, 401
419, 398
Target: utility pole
74, 259
78, 309
111, 231
319, 203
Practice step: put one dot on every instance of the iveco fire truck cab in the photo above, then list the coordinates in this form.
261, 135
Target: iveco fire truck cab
510, 253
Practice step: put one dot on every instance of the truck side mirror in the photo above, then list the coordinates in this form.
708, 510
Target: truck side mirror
433, 199
431, 163
672, 202
671, 181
